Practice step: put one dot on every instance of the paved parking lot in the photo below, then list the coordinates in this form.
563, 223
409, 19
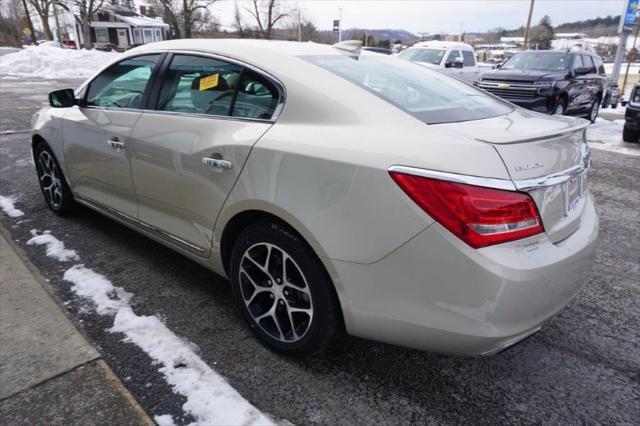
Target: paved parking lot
582, 367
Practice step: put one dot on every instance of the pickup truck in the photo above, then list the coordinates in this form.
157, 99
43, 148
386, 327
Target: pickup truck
455, 59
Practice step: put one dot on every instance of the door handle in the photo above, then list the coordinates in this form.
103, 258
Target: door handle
115, 144
216, 163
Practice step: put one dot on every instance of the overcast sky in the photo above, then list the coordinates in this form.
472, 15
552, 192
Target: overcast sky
433, 16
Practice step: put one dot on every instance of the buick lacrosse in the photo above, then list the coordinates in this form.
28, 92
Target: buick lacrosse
335, 188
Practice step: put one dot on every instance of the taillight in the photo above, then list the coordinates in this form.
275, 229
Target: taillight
477, 215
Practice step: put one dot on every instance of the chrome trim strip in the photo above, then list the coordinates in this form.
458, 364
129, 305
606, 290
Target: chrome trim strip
550, 180
454, 177
92, 203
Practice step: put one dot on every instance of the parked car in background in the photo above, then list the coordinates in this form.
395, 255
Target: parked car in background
611, 96
631, 130
382, 50
550, 81
335, 188
455, 59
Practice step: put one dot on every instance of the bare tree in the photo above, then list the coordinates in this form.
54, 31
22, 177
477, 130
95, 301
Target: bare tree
267, 14
238, 24
11, 17
43, 9
86, 9
184, 15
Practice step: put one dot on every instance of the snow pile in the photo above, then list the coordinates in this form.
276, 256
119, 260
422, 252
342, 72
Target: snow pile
7, 206
52, 62
164, 420
607, 135
55, 247
209, 398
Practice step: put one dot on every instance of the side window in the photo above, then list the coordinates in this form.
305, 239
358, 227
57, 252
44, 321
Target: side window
469, 58
122, 85
588, 62
257, 97
195, 84
577, 62
453, 55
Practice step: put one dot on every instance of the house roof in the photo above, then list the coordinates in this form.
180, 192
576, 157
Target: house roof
133, 18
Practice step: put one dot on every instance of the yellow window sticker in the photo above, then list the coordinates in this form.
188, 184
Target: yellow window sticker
208, 82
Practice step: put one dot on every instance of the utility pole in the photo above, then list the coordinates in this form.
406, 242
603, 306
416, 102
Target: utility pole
339, 24
29, 23
299, 26
526, 30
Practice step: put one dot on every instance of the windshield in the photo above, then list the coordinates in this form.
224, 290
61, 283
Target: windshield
428, 95
432, 56
538, 61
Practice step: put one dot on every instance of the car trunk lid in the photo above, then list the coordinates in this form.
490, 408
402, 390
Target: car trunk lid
546, 158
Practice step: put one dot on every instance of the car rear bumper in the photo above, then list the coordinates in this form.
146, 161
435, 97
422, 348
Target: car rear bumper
436, 293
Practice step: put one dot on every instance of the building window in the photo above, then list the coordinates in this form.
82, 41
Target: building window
137, 36
158, 34
102, 35
148, 35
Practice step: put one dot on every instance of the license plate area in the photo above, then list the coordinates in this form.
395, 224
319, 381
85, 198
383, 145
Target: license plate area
573, 192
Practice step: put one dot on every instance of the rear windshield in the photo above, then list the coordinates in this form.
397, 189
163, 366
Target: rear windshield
428, 95
431, 56
538, 61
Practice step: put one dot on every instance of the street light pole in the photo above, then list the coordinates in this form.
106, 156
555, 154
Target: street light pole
632, 57
339, 24
526, 30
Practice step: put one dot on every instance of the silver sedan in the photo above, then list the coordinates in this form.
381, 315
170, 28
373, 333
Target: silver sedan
335, 188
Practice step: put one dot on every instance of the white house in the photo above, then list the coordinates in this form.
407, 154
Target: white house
122, 28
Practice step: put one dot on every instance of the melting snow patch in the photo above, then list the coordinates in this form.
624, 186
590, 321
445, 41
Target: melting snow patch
209, 398
165, 420
55, 247
7, 205
607, 135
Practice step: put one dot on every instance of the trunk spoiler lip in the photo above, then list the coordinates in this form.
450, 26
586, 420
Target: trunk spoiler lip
523, 185
563, 132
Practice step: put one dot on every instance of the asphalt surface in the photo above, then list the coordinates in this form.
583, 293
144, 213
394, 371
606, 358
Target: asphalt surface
582, 367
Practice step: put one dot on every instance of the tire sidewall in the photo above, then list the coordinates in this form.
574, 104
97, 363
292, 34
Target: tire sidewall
67, 203
324, 303
594, 106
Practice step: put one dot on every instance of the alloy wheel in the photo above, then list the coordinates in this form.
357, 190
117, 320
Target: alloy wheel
50, 179
275, 292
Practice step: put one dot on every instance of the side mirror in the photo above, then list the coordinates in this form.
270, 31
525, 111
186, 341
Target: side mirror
64, 98
582, 71
499, 65
458, 63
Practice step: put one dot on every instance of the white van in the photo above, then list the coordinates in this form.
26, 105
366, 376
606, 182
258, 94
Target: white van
455, 59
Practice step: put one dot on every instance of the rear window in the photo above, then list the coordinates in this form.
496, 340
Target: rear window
428, 95
430, 56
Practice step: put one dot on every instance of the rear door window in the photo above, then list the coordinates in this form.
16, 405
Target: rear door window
588, 63
199, 85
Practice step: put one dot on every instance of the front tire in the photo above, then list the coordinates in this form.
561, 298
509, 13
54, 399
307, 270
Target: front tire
560, 108
283, 291
53, 184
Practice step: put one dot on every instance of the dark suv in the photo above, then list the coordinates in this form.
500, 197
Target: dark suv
550, 81
631, 131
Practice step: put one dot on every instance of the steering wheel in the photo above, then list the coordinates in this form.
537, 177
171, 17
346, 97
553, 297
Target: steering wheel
217, 98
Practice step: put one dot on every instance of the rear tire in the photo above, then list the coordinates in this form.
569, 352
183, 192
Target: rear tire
53, 184
631, 136
283, 290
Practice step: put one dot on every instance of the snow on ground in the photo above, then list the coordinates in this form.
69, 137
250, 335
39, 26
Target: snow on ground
165, 420
8, 207
55, 247
209, 398
47, 62
607, 135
